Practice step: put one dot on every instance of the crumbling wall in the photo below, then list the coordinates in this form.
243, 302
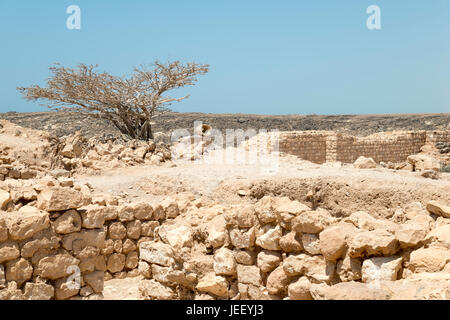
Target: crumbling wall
311, 146
281, 249
51, 250
327, 146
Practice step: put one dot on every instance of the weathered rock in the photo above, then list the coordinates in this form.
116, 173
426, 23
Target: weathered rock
364, 163
3, 230
60, 199
134, 229
216, 232
95, 280
224, 263
249, 275
156, 290
213, 284
68, 222
157, 252
65, 288
92, 218
5, 198
142, 210
291, 243
277, 282
373, 243
300, 289
333, 241
116, 262
38, 291
23, 225
19, 270
132, 260
311, 243
294, 265
312, 221
438, 208
242, 239
245, 257
381, 268
422, 162
265, 210
411, 233
9, 251
439, 237
79, 240
128, 246
117, 231
429, 259
179, 237
348, 291
349, 269
148, 228
2, 277
56, 266
170, 207
145, 269
268, 260
270, 240
246, 217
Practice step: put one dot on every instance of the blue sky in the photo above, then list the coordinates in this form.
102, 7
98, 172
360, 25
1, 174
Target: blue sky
267, 57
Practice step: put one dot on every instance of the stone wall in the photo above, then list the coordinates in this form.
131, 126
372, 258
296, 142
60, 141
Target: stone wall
281, 249
327, 146
43, 246
308, 145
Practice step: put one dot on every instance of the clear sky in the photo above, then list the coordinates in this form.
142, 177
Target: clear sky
267, 57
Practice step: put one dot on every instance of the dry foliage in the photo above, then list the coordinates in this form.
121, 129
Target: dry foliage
129, 103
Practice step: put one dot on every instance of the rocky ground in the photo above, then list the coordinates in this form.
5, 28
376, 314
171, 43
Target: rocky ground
142, 224
62, 123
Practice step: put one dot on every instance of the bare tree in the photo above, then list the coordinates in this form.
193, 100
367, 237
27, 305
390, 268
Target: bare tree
129, 103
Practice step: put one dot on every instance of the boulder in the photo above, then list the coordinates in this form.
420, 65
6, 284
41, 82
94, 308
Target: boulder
422, 162
242, 239
311, 243
38, 291
19, 270
348, 291
381, 268
249, 275
5, 198
9, 251
277, 282
68, 222
270, 240
312, 221
23, 225
157, 252
349, 269
156, 290
213, 284
291, 243
438, 208
300, 289
364, 163
56, 266
429, 259
268, 260
373, 243
224, 262
60, 199
439, 237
